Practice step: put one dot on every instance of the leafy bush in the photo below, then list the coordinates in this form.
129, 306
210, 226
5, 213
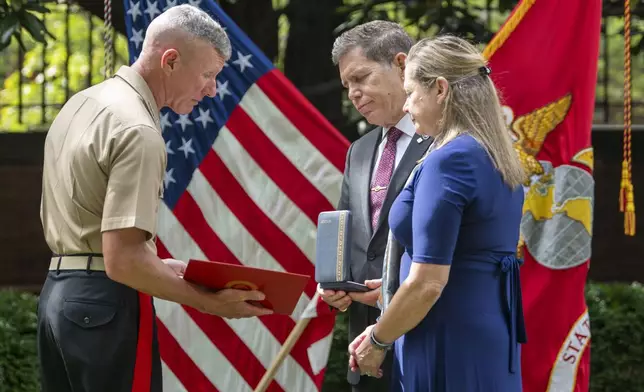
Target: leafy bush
335, 378
617, 347
18, 354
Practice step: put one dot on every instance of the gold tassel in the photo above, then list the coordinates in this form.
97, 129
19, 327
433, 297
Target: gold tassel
626, 198
629, 216
623, 186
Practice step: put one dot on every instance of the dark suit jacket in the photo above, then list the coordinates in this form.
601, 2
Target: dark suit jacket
368, 246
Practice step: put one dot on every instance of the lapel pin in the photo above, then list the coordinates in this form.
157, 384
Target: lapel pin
419, 140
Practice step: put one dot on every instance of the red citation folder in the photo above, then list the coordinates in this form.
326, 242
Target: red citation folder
282, 289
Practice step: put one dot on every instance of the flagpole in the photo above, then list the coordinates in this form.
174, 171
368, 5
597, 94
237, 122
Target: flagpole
286, 348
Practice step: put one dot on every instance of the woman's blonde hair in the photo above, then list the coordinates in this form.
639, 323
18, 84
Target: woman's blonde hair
472, 104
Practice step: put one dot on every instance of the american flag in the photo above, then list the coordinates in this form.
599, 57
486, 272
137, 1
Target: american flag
248, 173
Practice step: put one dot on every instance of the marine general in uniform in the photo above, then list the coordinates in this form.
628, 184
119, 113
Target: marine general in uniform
104, 164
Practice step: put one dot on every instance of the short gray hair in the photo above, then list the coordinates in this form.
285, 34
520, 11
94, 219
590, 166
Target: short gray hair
196, 23
380, 41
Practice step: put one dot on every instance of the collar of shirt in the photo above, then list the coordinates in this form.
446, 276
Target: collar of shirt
405, 125
139, 84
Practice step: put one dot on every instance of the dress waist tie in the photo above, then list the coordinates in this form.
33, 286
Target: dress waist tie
514, 306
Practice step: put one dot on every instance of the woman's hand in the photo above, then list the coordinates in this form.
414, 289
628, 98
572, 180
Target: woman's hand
370, 297
364, 356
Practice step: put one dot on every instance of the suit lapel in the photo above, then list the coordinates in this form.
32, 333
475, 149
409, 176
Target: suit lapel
417, 147
366, 167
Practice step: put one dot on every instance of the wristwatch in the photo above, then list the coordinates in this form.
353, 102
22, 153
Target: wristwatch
377, 344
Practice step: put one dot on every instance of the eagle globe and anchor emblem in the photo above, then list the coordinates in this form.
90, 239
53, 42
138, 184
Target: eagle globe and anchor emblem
556, 226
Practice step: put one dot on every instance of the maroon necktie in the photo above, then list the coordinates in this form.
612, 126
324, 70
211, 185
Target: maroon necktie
383, 175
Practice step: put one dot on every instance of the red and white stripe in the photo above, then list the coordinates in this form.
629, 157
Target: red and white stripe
254, 200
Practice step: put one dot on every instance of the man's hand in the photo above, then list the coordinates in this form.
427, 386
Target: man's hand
337, 299
232, 304
129, 261
178, 266
370, 297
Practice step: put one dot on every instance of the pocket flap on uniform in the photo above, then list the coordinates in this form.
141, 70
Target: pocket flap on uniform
87, 314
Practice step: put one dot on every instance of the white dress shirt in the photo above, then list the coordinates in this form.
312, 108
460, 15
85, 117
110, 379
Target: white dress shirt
407, 127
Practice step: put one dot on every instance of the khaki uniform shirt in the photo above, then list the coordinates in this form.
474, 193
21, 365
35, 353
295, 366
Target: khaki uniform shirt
104, 165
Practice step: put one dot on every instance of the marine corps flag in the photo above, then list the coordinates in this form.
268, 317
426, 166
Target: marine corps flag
544, 62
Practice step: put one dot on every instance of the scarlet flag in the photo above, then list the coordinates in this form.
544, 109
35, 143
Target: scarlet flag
544, 62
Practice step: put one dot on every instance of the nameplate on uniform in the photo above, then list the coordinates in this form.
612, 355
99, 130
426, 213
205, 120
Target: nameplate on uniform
333, 252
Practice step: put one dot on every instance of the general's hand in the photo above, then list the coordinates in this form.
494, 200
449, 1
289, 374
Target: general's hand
232, 303
178, 266
370, 297
337, 299
363, 356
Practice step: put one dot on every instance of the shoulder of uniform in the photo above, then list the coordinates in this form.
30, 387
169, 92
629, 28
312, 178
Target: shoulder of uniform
140, 131
134, 141
128, 110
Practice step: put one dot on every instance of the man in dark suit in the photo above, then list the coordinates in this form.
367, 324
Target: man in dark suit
371, 59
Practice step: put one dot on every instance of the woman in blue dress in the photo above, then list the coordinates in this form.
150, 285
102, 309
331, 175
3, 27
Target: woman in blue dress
456, 318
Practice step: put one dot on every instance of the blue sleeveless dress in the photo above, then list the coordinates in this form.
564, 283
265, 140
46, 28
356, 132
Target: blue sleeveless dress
456, 211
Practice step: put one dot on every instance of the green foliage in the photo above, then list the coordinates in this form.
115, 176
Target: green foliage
18, 355
18, 15
617, 325
478, 20
617, 328
49, 78
335, 378
612, 86
617, 347
473, 19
